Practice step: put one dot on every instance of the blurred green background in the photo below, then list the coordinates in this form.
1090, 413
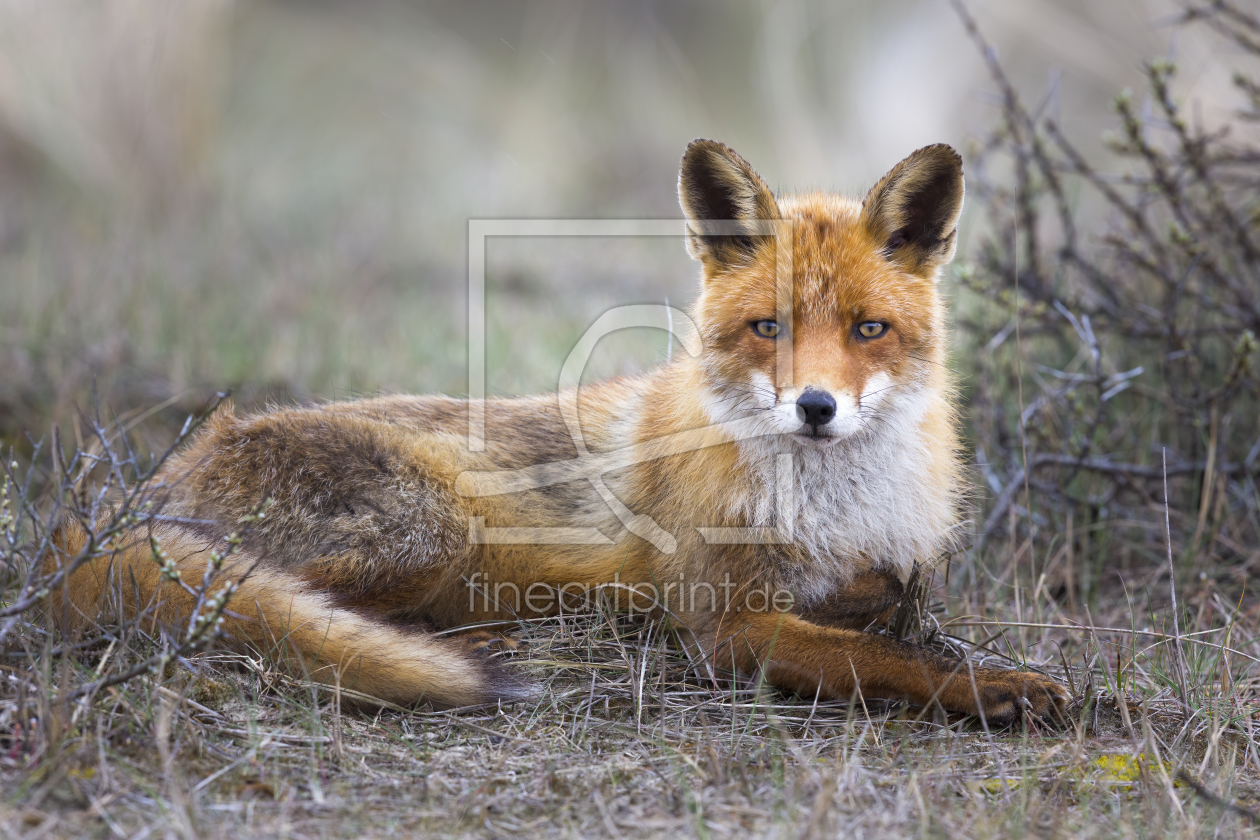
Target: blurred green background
274, 196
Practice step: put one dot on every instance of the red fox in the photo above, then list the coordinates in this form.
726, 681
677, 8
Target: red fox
771, 493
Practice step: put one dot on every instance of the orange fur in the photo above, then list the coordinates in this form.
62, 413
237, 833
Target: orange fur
379, 506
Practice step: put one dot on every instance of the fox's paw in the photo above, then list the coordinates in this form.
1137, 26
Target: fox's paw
487, 641
1007, 696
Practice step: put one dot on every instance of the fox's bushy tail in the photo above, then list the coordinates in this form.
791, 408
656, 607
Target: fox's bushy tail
276, 613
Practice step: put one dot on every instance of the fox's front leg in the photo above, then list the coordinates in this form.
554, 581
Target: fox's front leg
868, 599
799, 656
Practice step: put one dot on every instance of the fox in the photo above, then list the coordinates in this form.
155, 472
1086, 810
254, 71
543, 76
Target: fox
770, 493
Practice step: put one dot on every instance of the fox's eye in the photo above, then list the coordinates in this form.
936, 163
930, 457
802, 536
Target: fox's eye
871, 329
766, 329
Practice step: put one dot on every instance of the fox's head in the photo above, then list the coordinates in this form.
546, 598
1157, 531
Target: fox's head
819, 313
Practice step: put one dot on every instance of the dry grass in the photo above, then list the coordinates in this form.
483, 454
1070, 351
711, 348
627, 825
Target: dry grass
631, 740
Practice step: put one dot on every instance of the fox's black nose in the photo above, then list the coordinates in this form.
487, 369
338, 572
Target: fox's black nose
815, 408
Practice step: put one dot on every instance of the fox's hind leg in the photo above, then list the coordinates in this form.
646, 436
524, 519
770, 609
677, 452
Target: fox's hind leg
485, 639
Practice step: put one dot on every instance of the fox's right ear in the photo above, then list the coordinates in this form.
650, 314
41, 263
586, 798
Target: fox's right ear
913, 210
722, 198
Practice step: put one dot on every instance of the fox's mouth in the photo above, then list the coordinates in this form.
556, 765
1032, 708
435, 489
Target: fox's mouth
816, 439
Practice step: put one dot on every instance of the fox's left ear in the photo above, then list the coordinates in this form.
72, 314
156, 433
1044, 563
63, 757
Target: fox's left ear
914, 210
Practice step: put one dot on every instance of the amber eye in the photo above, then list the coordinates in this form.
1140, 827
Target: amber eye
871, 329
766, 329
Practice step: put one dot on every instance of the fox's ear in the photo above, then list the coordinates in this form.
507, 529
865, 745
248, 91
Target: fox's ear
914, 210
717, 186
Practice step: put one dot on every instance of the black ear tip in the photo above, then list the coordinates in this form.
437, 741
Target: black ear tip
941, 154
702, 148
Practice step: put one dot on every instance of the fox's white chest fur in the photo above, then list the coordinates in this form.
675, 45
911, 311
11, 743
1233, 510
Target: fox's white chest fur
866, 501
